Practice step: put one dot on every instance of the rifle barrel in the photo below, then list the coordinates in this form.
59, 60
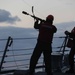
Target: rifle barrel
37, 18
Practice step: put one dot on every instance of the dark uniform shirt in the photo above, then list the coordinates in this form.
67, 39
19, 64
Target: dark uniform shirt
46, 31
72, 35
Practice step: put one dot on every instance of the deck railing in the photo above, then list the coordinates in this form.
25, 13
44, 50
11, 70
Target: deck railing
18, 51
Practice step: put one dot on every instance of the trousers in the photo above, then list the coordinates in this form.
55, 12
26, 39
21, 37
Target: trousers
71, 58
46, 49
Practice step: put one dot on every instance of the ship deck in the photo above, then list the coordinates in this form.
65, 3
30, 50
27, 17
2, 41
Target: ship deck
23, 72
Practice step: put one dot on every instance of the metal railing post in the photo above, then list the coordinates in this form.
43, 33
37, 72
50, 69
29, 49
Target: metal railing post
9, 42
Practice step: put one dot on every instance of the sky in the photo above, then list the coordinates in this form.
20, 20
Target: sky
11, 11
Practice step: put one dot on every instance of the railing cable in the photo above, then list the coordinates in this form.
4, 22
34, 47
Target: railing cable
14, 58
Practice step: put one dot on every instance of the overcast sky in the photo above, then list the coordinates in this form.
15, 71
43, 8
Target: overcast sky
11, 11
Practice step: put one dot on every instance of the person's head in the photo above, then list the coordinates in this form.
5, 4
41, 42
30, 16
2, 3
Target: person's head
50, 18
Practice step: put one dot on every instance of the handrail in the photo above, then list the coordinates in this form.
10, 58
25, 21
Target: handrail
9, 42
30, 38
21, 54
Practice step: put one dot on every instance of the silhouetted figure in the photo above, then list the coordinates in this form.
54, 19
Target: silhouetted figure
44, 44
72, 51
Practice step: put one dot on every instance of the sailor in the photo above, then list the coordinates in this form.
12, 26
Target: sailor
44, 44
72, 51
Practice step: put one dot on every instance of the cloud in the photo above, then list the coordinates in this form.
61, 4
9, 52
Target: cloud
5, 16
66, 25
62, 27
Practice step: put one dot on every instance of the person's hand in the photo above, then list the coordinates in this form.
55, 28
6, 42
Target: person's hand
36, 20
66, 32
